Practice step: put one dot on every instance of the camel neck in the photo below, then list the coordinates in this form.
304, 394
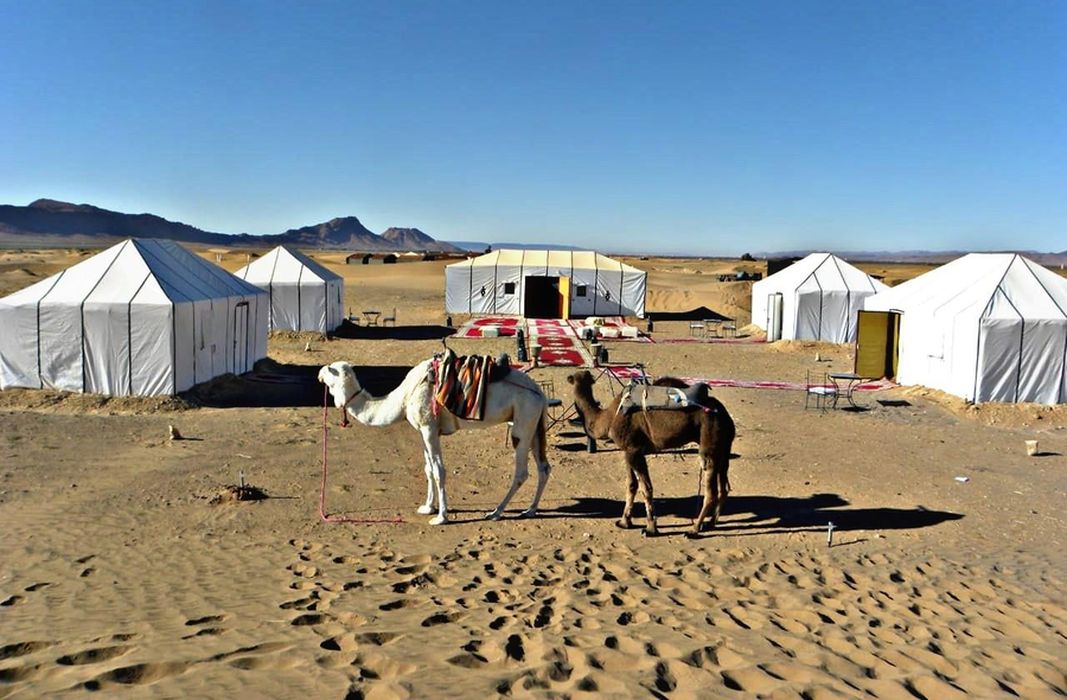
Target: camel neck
378, 411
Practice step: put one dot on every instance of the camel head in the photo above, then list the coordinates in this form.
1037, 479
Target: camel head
340, 379
582, 381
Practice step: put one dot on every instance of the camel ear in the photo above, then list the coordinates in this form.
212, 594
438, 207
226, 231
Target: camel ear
570, 379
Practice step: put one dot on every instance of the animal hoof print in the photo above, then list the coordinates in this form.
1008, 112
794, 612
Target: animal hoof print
424, 510
439, 520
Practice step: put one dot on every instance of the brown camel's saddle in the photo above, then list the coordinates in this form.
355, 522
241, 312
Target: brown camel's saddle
459, 383
644, 397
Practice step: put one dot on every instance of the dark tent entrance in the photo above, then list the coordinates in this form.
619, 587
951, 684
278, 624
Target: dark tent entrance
544, 297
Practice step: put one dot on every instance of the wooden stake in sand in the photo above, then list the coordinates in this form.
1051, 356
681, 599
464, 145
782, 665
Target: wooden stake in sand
830, 534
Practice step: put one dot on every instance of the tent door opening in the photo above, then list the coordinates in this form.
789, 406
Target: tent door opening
543, 298
877, 344
240, 338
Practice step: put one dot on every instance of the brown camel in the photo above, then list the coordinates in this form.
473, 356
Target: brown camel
648, 432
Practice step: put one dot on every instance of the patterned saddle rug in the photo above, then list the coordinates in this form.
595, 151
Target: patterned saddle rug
459, 383
643, 397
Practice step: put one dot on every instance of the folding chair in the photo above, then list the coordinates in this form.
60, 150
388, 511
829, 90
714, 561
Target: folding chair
556, 414
819, 391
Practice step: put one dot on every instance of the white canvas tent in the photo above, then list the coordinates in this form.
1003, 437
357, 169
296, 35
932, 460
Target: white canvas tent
512, 282
144, 317
985, 327
820, 297
304, 295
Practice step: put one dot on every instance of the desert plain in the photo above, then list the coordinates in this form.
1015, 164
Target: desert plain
124, 569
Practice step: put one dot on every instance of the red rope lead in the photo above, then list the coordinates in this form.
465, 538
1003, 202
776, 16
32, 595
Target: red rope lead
322, 492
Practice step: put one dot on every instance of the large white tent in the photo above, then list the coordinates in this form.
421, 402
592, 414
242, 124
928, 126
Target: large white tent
820, 296
985, 327
144, 317
304, 295
528, 282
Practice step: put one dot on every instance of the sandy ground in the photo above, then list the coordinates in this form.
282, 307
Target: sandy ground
120, 570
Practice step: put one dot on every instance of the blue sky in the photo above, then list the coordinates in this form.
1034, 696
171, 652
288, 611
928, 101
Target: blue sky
702, 128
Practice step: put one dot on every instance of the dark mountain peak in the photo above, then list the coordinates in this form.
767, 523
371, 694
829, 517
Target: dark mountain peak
58, 206
52, 222
414, 239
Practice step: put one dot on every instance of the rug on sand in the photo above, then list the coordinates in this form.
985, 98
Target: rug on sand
477, 327
624, 373
560, 346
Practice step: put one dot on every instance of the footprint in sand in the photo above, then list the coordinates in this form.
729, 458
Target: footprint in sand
92, 656
137, 674
204, 620
308, 619
12, 651
441, 618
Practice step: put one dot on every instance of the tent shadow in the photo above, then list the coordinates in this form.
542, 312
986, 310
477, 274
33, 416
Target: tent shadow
272, 384
769, 514
350, 331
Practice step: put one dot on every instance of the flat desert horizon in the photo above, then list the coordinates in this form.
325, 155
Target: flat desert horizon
125, 566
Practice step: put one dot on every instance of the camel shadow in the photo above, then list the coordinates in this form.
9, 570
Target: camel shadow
272, 384
768, 514
350, 331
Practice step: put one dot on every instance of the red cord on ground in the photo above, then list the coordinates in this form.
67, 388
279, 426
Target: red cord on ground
322, 492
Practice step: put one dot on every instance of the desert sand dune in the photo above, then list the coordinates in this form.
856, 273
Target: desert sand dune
121, 571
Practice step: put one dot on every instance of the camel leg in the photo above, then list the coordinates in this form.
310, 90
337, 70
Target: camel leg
522, 451
640, 466
626, 522
722, 472
543, 468
710, 489
427, 507
432, 440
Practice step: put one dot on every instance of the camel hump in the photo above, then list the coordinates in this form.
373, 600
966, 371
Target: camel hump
642, 397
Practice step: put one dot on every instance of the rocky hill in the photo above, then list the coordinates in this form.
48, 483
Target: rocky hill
48, 222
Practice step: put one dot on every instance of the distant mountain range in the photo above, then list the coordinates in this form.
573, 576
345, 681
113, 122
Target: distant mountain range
47, 222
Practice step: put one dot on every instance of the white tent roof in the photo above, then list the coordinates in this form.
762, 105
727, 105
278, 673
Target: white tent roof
982, 284
284, 264
137, 268
549, 259
986, 326
828, 271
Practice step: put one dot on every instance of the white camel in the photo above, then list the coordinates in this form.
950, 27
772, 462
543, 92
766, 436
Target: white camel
515, 398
